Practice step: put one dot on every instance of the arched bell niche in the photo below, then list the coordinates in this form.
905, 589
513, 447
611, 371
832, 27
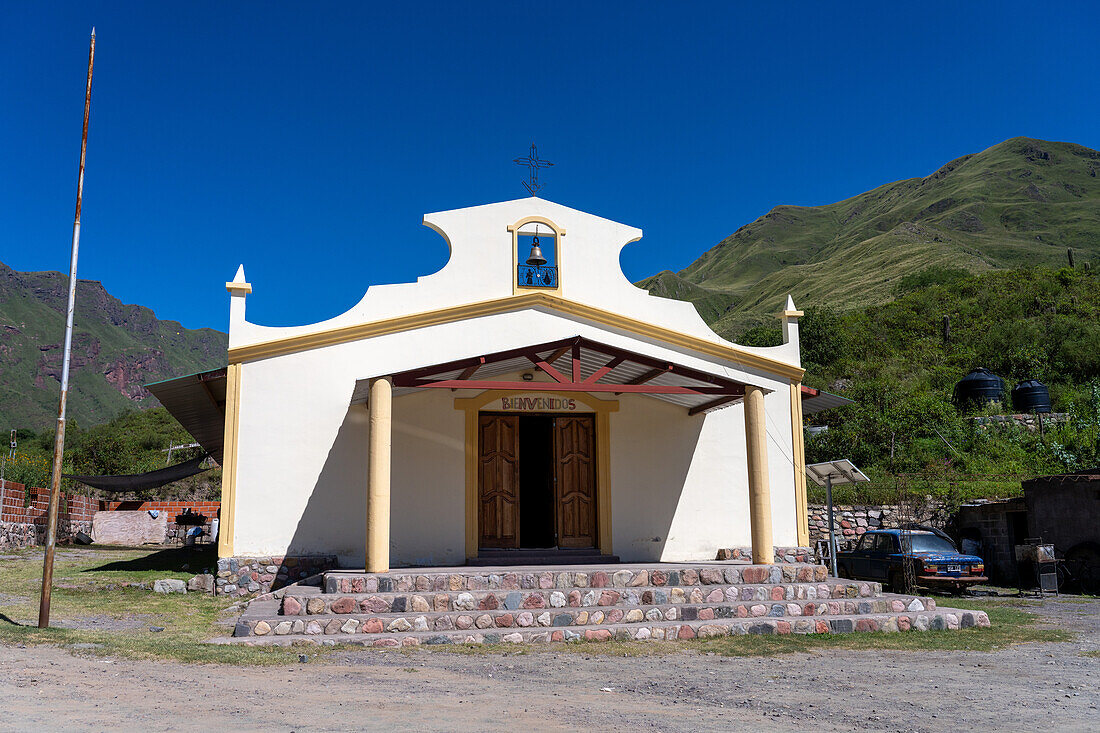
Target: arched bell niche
536, 255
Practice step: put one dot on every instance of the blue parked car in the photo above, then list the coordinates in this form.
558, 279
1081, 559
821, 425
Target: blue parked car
934, 559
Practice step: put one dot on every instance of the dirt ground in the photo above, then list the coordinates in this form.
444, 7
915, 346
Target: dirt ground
1041, 687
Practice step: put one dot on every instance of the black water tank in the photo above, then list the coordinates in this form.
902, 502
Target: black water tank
1031, 396
979, 387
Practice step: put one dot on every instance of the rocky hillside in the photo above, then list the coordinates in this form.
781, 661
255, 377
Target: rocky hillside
1021, 202
117, 348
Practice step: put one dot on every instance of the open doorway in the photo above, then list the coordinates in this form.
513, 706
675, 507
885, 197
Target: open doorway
536, 482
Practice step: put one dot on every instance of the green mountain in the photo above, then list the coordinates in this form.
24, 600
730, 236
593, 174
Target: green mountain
1022, 202
117, 348
894, 361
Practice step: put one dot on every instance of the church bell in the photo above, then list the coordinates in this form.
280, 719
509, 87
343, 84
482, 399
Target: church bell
535, 258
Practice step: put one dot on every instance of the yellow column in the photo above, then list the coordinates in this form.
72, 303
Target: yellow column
228, 521
799, 460
378, 476
760, 503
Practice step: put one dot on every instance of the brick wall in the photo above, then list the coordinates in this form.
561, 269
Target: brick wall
23, 515
208, 509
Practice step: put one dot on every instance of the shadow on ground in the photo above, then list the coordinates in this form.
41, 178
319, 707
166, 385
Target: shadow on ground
176, 559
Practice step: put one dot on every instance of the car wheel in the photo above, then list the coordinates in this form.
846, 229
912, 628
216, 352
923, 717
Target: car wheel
898, 583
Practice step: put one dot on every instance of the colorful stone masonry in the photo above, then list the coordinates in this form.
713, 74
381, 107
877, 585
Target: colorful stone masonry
782, 554
594, 603
242, 576
850, 522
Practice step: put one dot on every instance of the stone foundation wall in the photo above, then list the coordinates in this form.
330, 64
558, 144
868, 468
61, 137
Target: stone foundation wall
242, 576
782, 554
850, 522
18, 534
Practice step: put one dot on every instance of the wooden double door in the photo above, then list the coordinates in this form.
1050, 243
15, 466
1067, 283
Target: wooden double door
536, 481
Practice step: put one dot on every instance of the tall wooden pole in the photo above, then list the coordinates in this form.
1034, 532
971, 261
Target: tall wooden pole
59, 435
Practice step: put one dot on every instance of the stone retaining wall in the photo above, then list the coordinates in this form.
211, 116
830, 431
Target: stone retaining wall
852, 521
1026, 421
242, 576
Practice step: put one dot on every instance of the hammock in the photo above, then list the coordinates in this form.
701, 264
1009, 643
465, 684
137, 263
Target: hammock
143, 481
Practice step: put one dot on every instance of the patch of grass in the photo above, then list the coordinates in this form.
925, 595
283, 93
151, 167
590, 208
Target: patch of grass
1092, 653
89, 592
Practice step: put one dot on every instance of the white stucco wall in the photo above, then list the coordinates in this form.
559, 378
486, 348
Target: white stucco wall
301, 458
680, 483
301, 465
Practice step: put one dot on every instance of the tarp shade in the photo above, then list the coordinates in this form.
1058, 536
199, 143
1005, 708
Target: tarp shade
143, 481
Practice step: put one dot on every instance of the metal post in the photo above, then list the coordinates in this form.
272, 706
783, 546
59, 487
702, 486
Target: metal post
59, 435
832, 532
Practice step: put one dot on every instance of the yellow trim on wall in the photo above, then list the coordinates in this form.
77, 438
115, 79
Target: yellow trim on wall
227, 523
802, 514
601, 408
526, 300
558, 234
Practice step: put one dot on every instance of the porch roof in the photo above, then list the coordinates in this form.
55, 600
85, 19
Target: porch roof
197, 401
574, 365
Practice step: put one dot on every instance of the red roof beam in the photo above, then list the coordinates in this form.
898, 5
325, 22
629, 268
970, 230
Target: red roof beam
544, 366
605, 370
658, 364
450, 366
732, 390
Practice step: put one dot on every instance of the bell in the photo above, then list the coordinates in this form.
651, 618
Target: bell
535, 258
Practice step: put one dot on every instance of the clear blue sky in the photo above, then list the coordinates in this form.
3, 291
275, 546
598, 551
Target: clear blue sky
306, 140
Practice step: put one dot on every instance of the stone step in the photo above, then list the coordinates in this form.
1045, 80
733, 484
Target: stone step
939, 619
309, 601
260, 621
569, 577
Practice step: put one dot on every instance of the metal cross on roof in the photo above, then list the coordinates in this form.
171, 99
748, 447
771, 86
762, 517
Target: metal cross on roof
533, 164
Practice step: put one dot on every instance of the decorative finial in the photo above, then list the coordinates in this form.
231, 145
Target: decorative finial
790, 303
93, 31
533, 164
239, 286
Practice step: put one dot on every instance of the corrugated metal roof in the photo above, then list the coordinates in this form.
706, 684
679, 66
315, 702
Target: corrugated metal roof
197, 401
592, 359
820, 401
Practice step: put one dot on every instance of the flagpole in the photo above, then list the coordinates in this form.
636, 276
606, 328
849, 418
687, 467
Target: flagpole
59, 435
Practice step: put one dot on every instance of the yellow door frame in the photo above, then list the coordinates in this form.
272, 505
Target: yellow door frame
601, 408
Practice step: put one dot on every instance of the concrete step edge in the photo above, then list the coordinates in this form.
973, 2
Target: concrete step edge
939, 619
678, 612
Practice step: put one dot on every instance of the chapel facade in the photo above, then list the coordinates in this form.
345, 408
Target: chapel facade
525, 400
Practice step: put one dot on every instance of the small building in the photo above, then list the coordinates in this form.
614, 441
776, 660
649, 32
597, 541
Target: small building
1062, 510
524, 398
991, 529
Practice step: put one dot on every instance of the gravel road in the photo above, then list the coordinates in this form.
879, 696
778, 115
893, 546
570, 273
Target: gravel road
1036, 687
